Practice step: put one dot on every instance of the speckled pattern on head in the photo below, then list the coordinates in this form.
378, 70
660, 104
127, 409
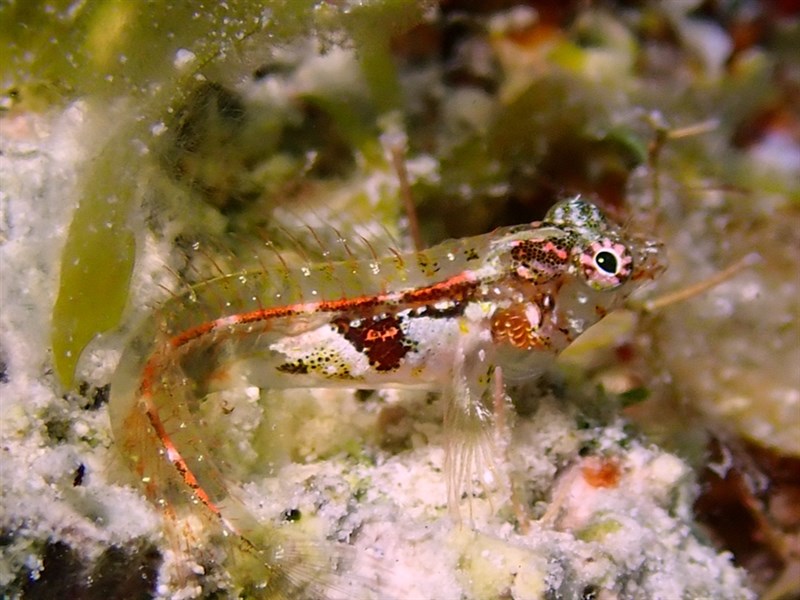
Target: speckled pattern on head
578, 215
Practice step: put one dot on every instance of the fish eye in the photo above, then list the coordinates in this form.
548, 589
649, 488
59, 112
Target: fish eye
605, 264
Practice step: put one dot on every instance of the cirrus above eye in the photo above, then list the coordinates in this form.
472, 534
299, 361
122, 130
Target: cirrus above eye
605, 264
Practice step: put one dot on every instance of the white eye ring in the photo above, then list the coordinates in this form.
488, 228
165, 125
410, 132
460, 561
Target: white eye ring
605, 264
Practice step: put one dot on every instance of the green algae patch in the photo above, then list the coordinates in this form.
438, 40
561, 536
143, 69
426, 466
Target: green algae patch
112, 48
598, 530
372, 27
96, 266
488, 567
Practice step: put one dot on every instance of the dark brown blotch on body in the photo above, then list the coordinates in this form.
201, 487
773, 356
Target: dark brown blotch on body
380, 338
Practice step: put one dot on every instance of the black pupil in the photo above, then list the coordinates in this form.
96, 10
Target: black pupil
606, 261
